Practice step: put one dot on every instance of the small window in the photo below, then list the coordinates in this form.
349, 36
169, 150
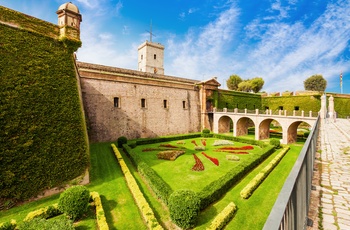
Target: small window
165, 104
184, 104
155, 56
296, 108
280, 107
141, 56
143, 103
116, 102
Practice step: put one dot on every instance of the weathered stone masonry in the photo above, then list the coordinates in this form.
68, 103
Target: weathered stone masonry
113, 103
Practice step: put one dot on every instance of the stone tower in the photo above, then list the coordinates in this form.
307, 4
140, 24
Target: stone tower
69, 20
151, 57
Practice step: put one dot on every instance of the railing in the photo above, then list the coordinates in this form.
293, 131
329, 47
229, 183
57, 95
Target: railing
294, 113
292, 205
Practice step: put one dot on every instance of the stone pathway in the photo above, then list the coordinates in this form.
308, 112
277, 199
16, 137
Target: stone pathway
335, 175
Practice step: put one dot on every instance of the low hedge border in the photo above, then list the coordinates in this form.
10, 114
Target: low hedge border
45, 213
215, 190
248, 190
100, 213
52, 211
145, 141
8, 225
157, 184
141, 202
223, 218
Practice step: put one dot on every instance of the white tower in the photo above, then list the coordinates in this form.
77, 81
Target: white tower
151, 57
69, 16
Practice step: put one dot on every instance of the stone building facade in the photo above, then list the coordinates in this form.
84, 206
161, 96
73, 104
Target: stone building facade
121, 102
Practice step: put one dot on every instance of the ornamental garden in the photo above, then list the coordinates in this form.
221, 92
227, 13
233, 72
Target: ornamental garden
200, 181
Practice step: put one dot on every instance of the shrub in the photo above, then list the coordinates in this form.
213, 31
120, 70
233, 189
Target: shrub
74, 202
223, 217
39, 223
45, 213
222, 142
275, 142
100, 213
199, 148
141, 202
184, 208
306, 134
232, 158
122, 140
260, 177
216, 189
170, 154
9, 225
206, 133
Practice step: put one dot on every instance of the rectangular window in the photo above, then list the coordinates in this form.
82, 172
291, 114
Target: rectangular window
184, 104
116, 102
155, 56
165, 104
143, 103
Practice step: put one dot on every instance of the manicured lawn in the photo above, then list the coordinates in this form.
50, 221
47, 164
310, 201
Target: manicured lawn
179, 174
106, 179
122, 213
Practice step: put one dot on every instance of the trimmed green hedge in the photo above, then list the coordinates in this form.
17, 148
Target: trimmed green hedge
304, 102
184, 208
43, 139
146, 141
224, 217
258, 179
157, 184
141, 202
216, 189
342, 107
233, 99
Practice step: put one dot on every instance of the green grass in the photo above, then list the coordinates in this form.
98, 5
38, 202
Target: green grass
179, 175
122, 213
106, 179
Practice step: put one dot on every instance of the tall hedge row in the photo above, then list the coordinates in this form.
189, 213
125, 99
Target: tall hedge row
42, 132
304, 102
232, 99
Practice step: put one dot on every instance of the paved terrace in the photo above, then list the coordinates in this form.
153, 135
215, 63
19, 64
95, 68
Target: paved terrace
334, 187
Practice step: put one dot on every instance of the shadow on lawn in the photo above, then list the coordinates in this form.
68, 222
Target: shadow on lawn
108, 206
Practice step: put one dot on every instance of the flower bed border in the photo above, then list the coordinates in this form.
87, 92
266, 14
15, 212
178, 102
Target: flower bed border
141, 202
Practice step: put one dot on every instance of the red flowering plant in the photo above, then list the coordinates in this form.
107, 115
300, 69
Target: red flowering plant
198, 166
212, 159
168, 146
194, 142
204, 142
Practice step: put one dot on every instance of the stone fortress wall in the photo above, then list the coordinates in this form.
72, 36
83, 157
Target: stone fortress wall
120, 102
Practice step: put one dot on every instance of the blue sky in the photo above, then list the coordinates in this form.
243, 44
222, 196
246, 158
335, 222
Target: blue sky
282, 41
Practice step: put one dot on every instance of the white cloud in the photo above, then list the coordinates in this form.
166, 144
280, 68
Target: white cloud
199, 55
284, 54
118, 8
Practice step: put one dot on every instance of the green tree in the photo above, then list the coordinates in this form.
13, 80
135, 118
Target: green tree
315, 83
233, 82
245, 86
257, 84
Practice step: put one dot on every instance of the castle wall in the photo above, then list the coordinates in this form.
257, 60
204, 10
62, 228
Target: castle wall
107, 120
